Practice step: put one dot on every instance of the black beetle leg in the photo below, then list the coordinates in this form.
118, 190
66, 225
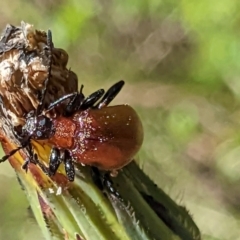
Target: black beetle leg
69, 166
54, 161
97, 178
110, 94
56, 158
30, 159
103, 182
108, 184
25, 164
42, 166
33, 158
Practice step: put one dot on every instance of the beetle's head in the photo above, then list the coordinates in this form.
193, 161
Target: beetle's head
38, 128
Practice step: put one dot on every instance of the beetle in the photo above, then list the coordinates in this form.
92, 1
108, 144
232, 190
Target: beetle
88, 132
106, 137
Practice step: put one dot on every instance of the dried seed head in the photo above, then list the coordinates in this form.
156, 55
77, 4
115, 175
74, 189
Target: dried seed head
24, 64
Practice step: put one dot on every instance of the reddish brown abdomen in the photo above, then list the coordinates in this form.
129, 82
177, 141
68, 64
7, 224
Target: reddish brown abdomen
107, 138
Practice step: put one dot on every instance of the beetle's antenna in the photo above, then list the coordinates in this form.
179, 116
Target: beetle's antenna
91, 99
60, 100
3, 159
110, 94
10, 154
43, 92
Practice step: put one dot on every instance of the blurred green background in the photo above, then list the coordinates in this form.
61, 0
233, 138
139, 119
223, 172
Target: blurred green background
181, 64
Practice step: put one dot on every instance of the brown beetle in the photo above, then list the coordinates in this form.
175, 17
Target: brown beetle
88, 133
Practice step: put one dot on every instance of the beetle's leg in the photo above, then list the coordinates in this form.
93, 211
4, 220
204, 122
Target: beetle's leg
35, 161
110, 94
25, 164
97, 178
103, 182
108, 184
69, 166
54, 161
56, 158
42, 166
28, 159
33, 158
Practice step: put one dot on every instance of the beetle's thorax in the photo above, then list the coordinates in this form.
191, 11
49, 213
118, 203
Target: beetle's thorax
64, 132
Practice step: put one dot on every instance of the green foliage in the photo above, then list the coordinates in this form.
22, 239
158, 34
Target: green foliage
214, 25
182, 122
71, 16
